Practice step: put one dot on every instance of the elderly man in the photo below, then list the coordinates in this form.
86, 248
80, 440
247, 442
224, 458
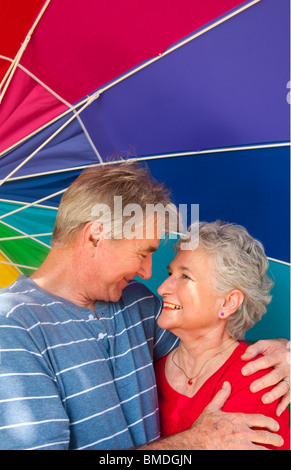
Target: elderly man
79, 336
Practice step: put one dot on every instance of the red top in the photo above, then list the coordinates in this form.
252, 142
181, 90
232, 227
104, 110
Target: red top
178, 412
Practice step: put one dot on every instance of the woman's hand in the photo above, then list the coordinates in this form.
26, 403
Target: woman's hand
276, 354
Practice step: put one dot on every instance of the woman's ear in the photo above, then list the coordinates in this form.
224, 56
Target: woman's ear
232, 301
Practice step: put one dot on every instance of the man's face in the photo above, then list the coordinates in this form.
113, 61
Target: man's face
122, 261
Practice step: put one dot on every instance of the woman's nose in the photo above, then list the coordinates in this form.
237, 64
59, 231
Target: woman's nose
165, 287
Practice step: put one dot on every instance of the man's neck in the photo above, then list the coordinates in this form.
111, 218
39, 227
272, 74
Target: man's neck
61, 275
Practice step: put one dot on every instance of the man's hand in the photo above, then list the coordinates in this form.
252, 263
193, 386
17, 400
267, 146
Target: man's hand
217, 430
276, 354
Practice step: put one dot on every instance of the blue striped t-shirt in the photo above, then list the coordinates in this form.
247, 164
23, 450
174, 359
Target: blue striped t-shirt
70, 380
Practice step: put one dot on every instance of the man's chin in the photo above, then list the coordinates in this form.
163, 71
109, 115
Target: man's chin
116, 295
116, 292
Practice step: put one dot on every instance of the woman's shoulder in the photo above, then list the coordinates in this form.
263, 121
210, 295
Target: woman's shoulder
235, 363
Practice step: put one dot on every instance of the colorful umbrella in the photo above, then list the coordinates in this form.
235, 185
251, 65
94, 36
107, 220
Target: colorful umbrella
198, 90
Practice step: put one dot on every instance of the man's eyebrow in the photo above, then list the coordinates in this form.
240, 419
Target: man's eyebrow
149, 249
184, 268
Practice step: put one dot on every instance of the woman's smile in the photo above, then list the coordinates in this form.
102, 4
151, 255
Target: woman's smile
170, 306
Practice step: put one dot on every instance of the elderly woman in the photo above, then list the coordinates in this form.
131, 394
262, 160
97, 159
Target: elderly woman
213, 294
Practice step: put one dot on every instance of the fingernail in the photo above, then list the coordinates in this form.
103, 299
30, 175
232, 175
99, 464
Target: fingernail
245, 371
254, 388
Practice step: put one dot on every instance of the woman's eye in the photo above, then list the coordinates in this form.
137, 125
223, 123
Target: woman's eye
186, 277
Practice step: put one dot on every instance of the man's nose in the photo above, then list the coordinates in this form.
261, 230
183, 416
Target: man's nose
145, 270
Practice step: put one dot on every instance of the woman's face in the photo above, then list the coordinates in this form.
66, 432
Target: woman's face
190, 300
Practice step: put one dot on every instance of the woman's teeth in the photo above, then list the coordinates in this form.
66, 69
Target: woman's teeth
173, 306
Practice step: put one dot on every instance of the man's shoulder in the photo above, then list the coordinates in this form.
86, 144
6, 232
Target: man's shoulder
19, 298
138, 291
12, 295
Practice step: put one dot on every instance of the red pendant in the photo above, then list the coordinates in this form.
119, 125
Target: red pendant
190, 382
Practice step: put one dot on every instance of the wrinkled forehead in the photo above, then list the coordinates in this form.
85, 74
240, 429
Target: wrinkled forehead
196, 258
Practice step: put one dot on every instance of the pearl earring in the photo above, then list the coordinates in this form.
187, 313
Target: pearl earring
221, 314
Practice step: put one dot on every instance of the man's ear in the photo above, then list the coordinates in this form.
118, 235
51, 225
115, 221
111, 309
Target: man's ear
92, 233
232, 301
97, 232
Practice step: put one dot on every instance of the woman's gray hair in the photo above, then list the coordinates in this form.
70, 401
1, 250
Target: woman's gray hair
239, 263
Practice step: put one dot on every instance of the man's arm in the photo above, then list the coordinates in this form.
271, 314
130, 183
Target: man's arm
276, 354
217, 430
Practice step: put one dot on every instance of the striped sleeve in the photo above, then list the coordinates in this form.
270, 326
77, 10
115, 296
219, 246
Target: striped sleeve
164, 341
32, 415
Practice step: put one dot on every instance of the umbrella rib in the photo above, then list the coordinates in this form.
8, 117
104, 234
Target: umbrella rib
66, 103
211, 26
89, 100
35, 78
4, 239
12, 69
279, 261
23, 203
149, 157
57, 118
220, 150
144, 65
177, 46
89, 139
9, 262
26, 206
24, 235
60, 116
16, 265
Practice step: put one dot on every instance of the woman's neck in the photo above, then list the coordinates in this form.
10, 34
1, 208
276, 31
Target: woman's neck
190, 365
195, 354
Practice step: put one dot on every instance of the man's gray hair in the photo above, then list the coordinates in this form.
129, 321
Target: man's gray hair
102, 187
239, 263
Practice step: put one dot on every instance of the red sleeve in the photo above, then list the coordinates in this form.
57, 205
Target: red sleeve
244, 401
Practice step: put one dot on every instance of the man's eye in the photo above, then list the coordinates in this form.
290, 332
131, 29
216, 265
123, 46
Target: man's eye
186, 277
142, 255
